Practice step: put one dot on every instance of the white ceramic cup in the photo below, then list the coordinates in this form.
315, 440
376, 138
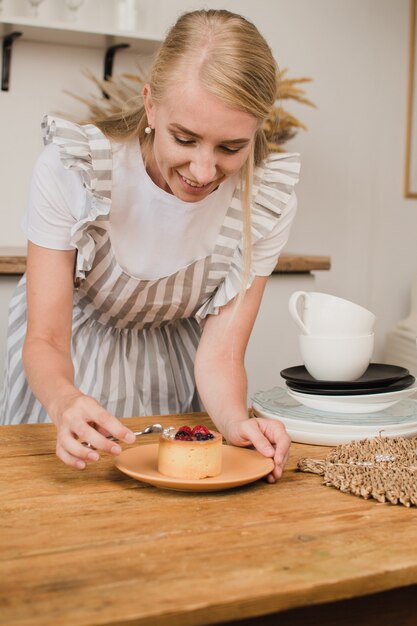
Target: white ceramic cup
336, 358
324, 314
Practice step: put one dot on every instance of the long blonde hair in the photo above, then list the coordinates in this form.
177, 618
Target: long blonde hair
235, 64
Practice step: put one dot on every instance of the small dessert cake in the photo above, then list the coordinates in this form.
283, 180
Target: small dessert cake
190, 453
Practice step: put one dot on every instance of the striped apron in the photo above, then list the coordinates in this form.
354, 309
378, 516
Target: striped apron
134, 341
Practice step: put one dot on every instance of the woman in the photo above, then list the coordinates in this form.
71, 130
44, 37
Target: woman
168, 220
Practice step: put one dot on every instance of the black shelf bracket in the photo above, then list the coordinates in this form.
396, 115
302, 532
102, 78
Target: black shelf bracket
7, 57
108, 61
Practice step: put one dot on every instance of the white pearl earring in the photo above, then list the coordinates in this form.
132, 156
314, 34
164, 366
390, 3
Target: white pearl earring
148, 130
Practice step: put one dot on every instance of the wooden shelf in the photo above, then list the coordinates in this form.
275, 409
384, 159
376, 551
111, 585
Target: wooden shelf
301, 264
13, 261
67, 33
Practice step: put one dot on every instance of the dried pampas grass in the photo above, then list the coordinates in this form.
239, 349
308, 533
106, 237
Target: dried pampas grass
281, 126
123, 94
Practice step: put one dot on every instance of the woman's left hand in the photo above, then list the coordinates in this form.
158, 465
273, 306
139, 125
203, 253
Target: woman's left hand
269, 437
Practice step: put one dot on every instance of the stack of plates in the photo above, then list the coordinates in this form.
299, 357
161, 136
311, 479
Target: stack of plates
380, 387
332, 413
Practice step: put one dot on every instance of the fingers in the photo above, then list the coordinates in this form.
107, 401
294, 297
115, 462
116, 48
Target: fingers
261, 442
282, 449
84, 420
71, 450
86, 433
110, 425
277, 472
78, 462
269, 437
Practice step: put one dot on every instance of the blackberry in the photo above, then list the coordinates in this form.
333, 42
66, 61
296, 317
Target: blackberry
203, 436
182, 435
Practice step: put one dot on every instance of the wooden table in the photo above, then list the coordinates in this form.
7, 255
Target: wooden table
97, 547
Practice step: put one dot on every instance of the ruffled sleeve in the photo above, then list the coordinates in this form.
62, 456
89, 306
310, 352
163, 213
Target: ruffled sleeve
86, 149
272, 193
273, 188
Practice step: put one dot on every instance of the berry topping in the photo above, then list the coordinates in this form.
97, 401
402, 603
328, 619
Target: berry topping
185, 429
203, 437
182, 435
198, 433
202, 430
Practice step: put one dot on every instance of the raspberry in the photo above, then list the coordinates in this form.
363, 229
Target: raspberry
198, 433
185, 429
202, 430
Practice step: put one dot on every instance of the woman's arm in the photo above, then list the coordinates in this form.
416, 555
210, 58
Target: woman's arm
48, 365
222, 384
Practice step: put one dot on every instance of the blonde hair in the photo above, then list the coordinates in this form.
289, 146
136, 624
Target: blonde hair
234, 63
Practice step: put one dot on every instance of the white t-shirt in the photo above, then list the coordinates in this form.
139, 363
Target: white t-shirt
153, 233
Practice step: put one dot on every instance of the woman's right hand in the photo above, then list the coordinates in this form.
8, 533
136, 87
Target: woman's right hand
80, 419
49, 368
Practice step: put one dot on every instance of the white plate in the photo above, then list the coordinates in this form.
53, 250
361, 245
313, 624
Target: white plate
307, 425
352, 404
321, 433
315, 439
276, 401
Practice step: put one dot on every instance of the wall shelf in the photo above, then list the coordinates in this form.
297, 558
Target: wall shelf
67, 33
13, 261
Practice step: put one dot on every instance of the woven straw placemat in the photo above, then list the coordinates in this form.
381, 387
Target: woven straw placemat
381, 468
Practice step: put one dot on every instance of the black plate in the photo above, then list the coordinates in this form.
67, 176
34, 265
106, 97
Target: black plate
397, 385
377, 375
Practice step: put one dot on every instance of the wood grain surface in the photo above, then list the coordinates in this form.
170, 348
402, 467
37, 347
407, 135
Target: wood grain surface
97, 547
13, 261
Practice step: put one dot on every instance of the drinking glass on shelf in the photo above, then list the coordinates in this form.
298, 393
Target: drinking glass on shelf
34, 7
73, 6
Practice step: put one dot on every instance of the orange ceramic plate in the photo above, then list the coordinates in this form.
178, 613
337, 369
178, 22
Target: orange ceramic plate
240, 466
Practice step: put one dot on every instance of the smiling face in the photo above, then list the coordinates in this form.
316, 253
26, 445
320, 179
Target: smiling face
198, 140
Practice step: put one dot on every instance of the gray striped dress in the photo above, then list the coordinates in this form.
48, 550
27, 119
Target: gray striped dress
134, 340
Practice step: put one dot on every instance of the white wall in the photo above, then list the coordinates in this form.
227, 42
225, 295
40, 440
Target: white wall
351, 203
